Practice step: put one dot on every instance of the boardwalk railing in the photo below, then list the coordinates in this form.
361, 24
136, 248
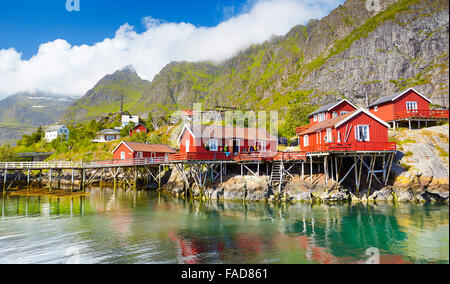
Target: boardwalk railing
270, 156
205, 156
422, 114
352, 147
82, 165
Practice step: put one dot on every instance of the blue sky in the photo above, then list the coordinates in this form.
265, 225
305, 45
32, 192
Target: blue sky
43, 47
25, 24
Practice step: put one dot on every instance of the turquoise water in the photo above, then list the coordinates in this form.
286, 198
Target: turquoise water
141, 227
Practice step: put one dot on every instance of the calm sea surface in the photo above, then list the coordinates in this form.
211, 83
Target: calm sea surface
142, 227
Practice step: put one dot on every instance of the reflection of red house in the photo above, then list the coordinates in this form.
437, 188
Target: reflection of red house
216, 139
355, 131
407, 105
134, 150
139, 128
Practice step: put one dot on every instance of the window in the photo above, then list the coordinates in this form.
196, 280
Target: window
375, 108
213, 145
321, 117
344, 112
339, 137
329, 137
122, 155
187, 145
335, 114
139, 155
305, 140
315, 117
411, 105
362, 133
262, 146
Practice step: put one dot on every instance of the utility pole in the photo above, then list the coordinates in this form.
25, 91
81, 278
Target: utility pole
121, 104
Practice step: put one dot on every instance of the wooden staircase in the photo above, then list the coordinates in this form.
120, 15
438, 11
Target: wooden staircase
277, 175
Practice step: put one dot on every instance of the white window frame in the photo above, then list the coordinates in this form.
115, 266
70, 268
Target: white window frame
122, 155
216, 145
339, 137
344, 112
187, 145
329, 135
305, 140
139, 155
315, 117
334, 114
263, 146
413, 103
322, 117
357, 130
375, 109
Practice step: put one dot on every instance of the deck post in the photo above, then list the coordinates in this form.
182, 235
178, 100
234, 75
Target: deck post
409, 122
311, 168
418, 122
257, 170
40, 179
51, 177
356, 174
59, 179
28, 179
389, 169
159, 177
325, 169
5, 177
83, 176
426, 123
372, 167
242, 170
72, 181
303, 170
221, 172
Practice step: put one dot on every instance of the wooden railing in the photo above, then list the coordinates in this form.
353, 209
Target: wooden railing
422, 114
205, 156
352, 147
270, 156
300, 129
82, 165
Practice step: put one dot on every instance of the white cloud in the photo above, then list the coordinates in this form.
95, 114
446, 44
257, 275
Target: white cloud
61, 68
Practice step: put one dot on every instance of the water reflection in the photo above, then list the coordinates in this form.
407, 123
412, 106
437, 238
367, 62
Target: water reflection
139, 227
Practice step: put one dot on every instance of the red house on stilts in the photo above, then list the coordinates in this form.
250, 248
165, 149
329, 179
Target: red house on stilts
213, 142
358, 130
134, 150
407, 106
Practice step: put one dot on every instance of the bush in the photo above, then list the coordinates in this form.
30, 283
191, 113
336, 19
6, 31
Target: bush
7, 153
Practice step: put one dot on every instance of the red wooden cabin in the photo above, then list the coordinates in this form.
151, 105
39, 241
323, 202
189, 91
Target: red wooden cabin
218, 142
327, 112
358, 130
139, 128
134, 150
407, 105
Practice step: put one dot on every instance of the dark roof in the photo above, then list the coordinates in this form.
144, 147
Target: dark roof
384, 100
327, 107
327, 123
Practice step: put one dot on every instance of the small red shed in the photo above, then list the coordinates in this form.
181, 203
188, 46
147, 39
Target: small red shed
215, 139
139, 128
134, 150
331, 110
357, 130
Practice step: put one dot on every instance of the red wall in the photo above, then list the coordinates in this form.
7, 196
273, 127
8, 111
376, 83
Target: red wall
377, 131
139, 127
133, 155
197, 146
387, 110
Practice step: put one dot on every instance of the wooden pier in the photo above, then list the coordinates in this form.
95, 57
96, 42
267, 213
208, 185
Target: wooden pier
197, 168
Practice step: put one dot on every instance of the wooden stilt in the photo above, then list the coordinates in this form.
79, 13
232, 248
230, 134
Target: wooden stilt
5, 178
372, 167
311, 168
325, 168
389, 169
51, 178
303, 170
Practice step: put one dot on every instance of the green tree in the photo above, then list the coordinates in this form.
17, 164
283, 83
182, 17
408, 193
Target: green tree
7, 153
296, 116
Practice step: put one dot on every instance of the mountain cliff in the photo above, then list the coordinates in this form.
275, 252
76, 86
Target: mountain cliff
353, 53
22, 112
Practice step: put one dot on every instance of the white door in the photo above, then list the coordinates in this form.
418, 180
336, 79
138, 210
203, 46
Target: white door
122, 155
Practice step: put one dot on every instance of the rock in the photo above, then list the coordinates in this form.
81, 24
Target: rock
384, 194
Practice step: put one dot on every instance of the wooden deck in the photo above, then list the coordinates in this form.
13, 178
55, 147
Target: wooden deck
423, 114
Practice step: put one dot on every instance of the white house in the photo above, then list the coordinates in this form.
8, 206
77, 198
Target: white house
107, 135
127, 119
53, 132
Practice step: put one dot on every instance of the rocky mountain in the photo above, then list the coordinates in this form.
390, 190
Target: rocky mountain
123, 86
353, 53
23, 112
